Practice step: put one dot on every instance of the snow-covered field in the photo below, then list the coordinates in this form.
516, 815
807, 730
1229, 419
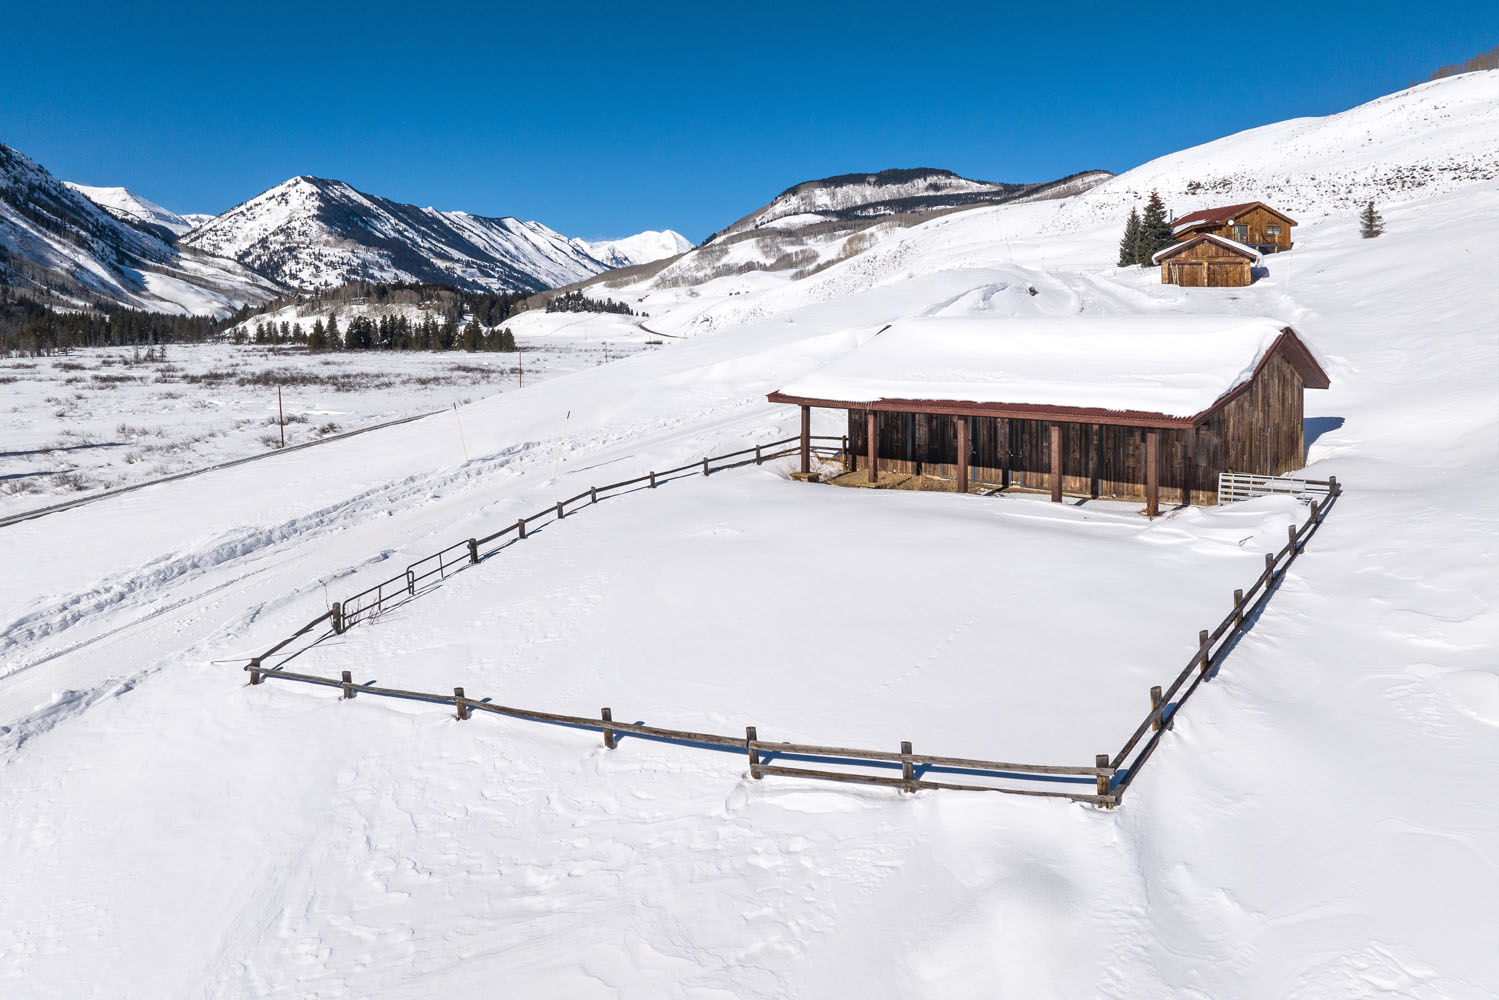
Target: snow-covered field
101, 418
1320, 823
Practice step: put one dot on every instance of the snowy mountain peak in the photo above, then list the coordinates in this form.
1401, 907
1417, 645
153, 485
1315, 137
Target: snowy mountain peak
130, 208
60, 248
311, 231
642, 248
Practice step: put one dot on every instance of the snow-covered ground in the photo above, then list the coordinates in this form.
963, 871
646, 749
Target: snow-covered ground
1320, 823
97, 419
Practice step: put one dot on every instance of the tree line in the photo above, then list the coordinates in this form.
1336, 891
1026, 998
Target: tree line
27, 327
390, 332
576, 301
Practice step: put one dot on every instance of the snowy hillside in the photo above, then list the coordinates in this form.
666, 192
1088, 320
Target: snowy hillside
1430, 139
1318, 823
642, 248
310, 232
129, 207
62, 248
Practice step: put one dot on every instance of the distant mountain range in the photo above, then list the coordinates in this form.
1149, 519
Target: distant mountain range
77, 246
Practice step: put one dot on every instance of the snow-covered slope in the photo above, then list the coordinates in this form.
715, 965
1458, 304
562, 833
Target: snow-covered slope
1430, 139
642, 248
1318, 823
310, 232
890, 192
61, 248
127, 206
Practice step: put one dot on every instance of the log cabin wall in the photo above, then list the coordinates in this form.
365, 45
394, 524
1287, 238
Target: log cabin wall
1258, 221
1259, 431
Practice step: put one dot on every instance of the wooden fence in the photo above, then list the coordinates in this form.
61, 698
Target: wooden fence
1102, 784
1234, 486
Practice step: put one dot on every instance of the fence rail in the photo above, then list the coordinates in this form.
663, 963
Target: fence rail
1109, 776
1235, 486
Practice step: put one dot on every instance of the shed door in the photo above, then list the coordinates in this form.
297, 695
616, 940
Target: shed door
1190, 273
1225, 274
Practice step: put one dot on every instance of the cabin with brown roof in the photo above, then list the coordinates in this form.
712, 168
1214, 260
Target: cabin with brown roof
1253, 224
1124, 407
1207, 261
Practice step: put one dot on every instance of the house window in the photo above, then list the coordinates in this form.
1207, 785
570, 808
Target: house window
1241, 233
1273, 232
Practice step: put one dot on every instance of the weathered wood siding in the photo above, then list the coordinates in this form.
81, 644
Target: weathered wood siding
1206, 266
1257, 220
1259, 431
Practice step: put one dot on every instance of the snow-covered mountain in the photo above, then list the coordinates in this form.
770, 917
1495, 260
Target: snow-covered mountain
311, 232
892, 192
61, 248
127, 206
642, 248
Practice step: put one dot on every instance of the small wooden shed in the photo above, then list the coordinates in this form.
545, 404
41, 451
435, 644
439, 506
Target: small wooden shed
1207, 261
1120, 407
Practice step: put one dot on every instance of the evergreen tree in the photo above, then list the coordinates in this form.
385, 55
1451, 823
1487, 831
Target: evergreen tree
507, 340
1370, 222
473, 336
335, 339
1131, 237
316, 340
1155, 231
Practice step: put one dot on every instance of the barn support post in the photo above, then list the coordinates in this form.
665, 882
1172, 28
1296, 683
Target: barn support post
963, 451
1152, 473
1056, 463
806, 440
872, 432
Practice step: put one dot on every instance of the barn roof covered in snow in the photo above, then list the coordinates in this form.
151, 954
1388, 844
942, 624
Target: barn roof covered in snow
1222, 215
1192, 241
1147, 371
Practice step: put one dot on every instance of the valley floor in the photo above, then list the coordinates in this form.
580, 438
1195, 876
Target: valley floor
1320, 823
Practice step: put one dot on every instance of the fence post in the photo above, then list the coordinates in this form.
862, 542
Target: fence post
907, 769
521, 527
336, 614
1238, 609
1291, 535
460, 703
348, 685
607, 716
473, 550
757, 454
255, 671
705, 466
1102, 760
1269, 568
843, 457
1155, 708
559, 510
1202, 644
653, 480
1332, 486
751, 736
593, 494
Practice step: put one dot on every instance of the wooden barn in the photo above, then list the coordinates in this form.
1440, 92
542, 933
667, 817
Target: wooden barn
1147, 408
1207, 261
1253, 224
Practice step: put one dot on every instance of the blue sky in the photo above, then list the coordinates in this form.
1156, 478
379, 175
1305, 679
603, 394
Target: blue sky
602, 120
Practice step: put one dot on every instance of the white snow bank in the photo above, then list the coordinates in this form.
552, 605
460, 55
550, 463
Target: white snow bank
1172, 365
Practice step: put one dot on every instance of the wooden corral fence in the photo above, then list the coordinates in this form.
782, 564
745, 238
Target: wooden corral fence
1102, 783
